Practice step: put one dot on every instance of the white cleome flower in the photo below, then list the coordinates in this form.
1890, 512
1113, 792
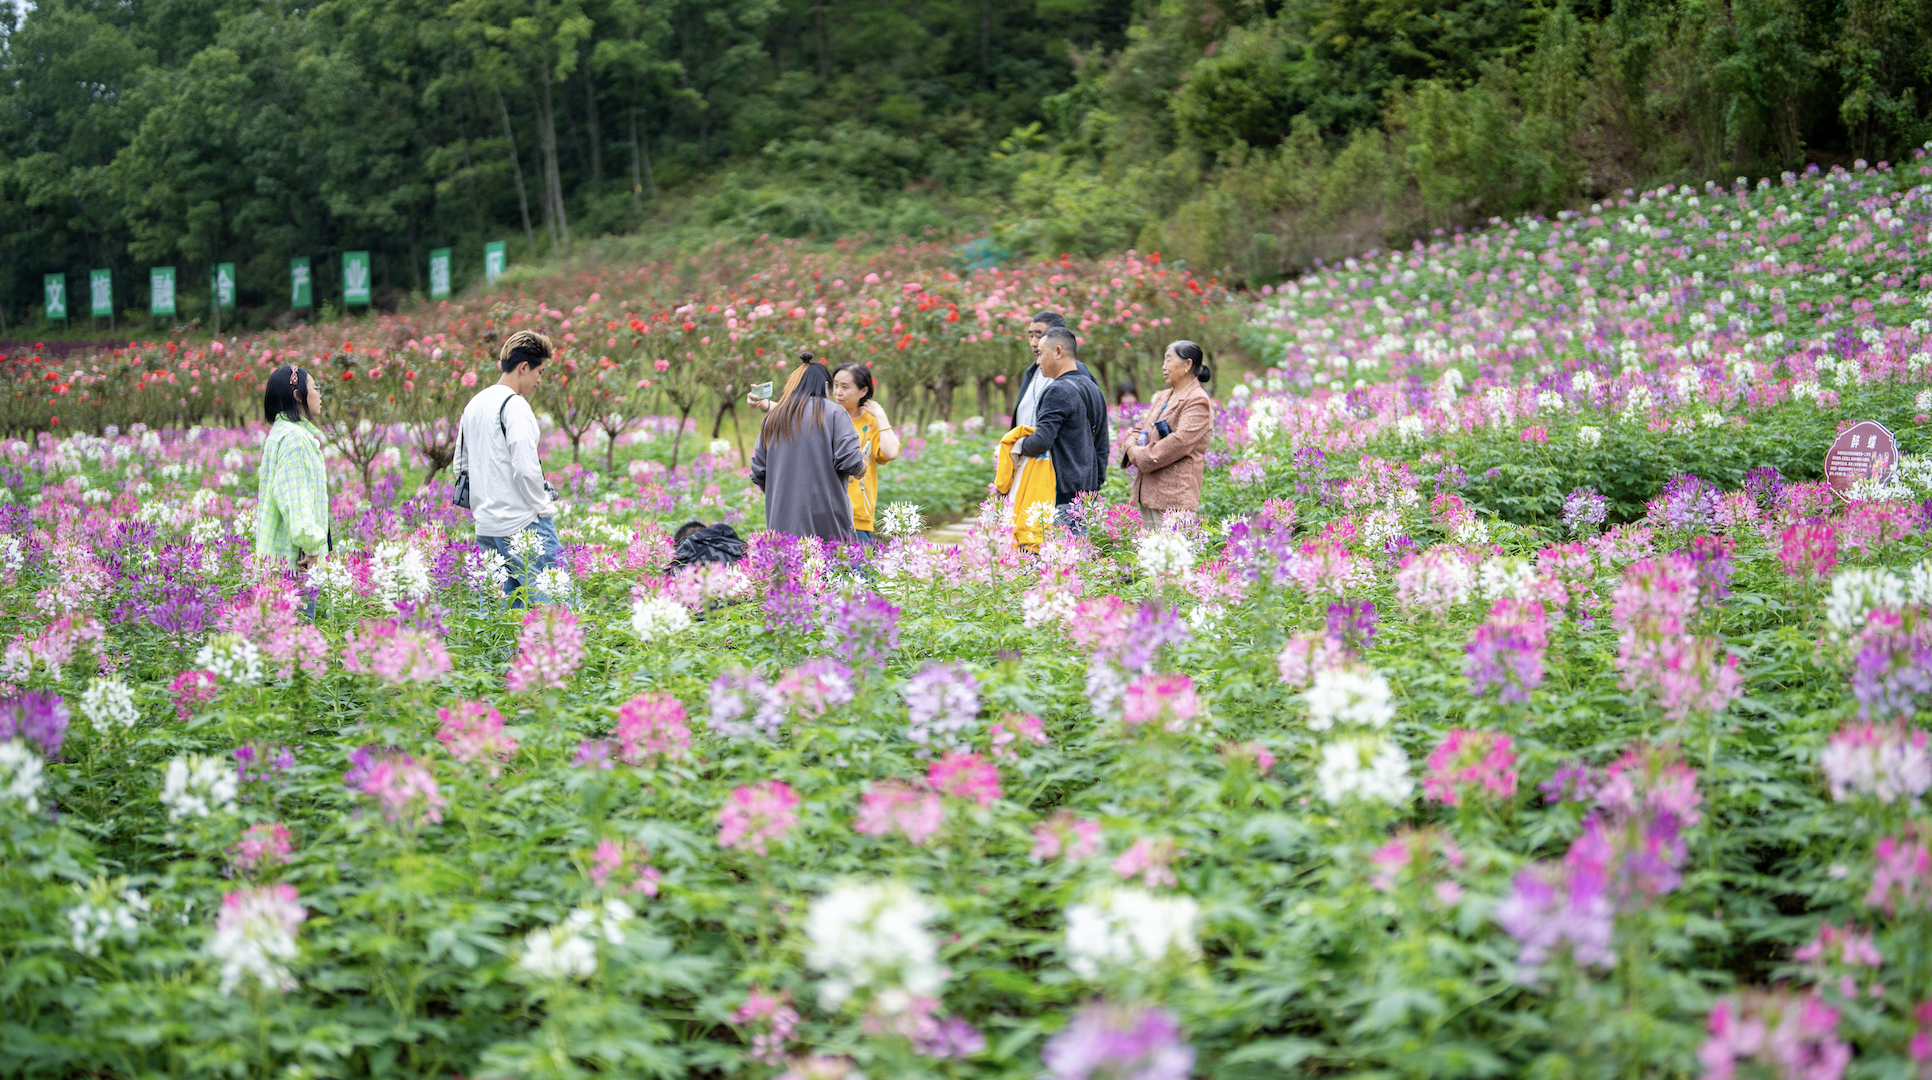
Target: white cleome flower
1371, 768
1127, 927
20, 775
556, 583
1349, 695
871, 935
1504, 575
195, 786
103, 914
398, 573
232, 658
1163, 553
654, 617
1855, 593
109, 703
254, 933
900, 519
568, 950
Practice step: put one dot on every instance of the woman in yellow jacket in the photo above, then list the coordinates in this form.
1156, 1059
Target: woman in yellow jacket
852, 388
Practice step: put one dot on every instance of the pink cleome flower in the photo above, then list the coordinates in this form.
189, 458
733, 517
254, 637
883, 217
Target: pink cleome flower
404, 788
1475, 762
191, 690
612, 856
756, 814
1065, 834
1150, 859
473, 730
550, 649
261, 848
896, 806
651, 727
1169, 698
965, 776
1793, 1037
394, 653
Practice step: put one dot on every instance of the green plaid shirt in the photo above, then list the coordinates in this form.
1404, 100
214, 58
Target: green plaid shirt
293, 509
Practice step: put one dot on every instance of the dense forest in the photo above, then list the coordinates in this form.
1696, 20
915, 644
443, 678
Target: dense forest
1252, 136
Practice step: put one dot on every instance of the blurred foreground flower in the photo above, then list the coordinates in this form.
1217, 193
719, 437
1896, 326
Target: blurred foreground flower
105, 910
755, 814
473, 730
1127, 927
38, 717
20, 775
254, 933
568, 950
1119, 1042
870, 938
194, 786
1367, 767
401, 785
1792, 1037
1885, 762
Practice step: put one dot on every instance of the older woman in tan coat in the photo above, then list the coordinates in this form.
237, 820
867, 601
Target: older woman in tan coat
1167, 446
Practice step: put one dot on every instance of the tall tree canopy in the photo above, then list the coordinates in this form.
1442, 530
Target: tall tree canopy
1249, 134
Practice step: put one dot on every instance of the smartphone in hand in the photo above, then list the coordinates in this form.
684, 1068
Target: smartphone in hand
761, 391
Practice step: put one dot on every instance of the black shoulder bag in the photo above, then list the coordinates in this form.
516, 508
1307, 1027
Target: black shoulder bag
461, 496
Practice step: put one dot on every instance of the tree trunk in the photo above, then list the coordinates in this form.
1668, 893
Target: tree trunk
986, 41
824, 45
590, 124
516, 169
552, 178
677, 440
469, 167
641, 154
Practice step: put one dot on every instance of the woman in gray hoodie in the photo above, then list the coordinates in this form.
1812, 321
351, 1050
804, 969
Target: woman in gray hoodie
807, 450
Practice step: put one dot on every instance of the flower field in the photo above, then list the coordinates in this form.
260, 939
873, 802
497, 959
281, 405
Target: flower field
1523, 703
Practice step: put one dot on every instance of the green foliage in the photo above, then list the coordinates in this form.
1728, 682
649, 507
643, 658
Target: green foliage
1250, 138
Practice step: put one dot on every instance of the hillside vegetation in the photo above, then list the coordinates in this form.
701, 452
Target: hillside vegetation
1248, 137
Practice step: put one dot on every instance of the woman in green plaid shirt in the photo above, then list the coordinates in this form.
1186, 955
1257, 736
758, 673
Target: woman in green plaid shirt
292, 510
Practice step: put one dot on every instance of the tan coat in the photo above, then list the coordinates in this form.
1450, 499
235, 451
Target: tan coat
1169, 476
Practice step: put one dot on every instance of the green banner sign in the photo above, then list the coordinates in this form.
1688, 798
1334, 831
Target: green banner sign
100, 292
496, 259
56, 288
161, 290
301, 290
439, 274
224, 285
355, 278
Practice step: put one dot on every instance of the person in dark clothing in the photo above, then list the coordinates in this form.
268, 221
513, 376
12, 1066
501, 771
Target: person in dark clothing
1071, 426
700, 543
1035, 331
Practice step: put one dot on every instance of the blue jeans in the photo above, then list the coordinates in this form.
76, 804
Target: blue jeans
546, 531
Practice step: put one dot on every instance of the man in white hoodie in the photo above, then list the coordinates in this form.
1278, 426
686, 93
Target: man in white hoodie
514, 506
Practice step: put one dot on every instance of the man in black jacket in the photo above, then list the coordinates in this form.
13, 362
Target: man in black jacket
1035, 331
1071, 427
